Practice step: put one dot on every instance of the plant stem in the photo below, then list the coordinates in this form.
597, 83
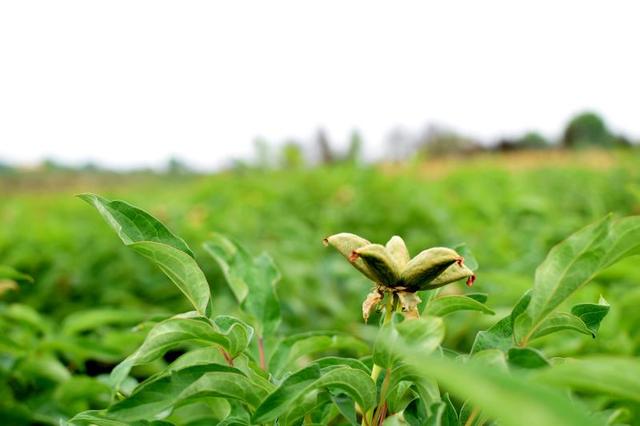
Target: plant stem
263, 364
381, 411
472, 416
375, 371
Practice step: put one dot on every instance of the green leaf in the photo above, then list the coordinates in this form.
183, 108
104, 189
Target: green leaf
443, 413
162, 393
528, 358
98, 418
606, 375
133, 224
573, 263
181, 269
355, 383
180, 331
335, 361
500, 335
423, 335
146, 235
292, 348
508, 398
25, 315
592, 314
92, 319
559, 321
252, 281
445, 305
7, 272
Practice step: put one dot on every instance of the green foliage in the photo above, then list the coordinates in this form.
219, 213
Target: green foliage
96, 309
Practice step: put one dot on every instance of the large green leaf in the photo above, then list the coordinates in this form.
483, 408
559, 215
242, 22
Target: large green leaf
354, 382
573, 263
292, 348
607, 375
182, 269
146, 235
162, 393
252, 281
180, 331
133, 224
510, 399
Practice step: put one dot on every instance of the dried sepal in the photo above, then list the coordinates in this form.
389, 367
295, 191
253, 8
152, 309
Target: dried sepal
427, 266
379, 262
370, 303
398, 251
346, 244
409, 302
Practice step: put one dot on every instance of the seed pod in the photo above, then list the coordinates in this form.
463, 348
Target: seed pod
426, 266
453, 273
346, 244
398, 251
379, 262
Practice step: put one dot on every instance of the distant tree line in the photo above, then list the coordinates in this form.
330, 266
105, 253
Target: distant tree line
585, 130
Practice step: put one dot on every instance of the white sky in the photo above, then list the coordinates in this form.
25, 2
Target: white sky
129, 83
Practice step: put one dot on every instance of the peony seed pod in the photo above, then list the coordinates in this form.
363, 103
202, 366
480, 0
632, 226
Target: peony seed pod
455, 272
346, 244
398, 251
427, 266
379, 262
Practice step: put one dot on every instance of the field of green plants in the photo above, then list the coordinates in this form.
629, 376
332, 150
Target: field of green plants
211, 299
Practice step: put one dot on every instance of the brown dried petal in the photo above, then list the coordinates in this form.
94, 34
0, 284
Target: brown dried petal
370, 303
409, 302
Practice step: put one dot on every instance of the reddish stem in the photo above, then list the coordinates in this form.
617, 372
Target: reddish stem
263, 363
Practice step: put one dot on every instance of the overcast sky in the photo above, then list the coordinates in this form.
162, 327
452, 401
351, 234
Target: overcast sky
128, 83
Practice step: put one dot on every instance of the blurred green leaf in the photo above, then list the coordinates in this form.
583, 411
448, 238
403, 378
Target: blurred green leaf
423, 335
7, 272
528, 358
508, 398
611, 376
